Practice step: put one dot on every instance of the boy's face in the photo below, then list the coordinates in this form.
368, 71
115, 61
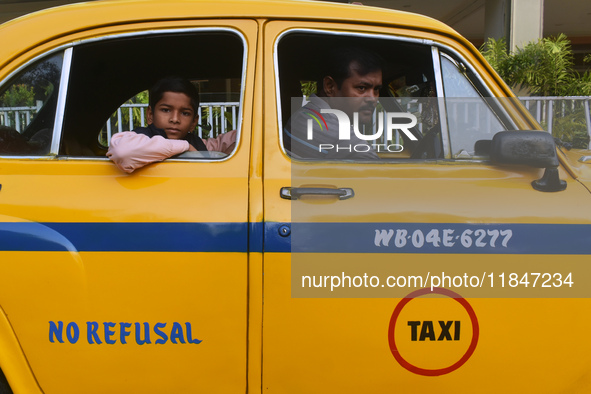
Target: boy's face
174, 114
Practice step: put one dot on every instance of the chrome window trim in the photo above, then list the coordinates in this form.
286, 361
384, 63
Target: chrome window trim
33, 60
61, 102
499, 112
60, 109
17, 71
45, 55
483, 86
445, 138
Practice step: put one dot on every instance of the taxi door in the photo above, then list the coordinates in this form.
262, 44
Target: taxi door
115, 282
350, 304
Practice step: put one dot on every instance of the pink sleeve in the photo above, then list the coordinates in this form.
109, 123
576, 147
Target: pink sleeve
130, 151
224, 143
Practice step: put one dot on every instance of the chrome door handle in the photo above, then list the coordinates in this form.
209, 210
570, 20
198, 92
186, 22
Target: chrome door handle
293, 193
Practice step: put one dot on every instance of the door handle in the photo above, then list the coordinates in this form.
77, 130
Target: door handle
293, 193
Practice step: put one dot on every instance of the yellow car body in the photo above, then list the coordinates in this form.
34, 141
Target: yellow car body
182, 277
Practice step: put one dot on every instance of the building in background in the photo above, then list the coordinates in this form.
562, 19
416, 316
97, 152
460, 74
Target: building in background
520, 21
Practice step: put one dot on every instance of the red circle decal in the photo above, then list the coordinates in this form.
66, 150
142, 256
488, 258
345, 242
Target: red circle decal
440, 371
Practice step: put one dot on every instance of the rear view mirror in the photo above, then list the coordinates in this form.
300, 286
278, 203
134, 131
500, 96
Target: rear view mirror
533, 148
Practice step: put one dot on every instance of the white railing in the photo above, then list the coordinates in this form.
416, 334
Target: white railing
214, 117
546, 110
17, 118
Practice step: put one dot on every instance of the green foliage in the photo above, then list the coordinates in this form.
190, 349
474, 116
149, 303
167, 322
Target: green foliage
570, 124
579, 86
18, 96
495, 52
136, 113
216, 126
140, 98
308, 88
545, 67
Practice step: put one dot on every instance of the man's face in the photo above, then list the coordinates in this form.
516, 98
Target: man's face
362, 90
174, 114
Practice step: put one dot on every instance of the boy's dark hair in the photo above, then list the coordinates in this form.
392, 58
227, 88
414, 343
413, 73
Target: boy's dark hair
177, 85
338, 63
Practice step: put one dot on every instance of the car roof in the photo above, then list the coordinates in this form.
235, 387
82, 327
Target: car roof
28, 31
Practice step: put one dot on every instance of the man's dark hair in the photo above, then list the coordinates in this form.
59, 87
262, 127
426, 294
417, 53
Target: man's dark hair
338, 63
177, 85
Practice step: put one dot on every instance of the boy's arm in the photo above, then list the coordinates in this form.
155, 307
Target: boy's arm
130, 151
224, 143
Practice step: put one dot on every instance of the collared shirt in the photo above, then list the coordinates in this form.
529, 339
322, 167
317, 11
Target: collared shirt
325, 143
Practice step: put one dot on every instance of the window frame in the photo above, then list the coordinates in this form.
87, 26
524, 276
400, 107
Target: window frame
480, 87
69, 56
279, 98
437, 49
66, 62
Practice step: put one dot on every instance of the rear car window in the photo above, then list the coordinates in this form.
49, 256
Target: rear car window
106, 92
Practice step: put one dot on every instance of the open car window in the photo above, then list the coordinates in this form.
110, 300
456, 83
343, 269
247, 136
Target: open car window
407, 81
218, 115
428, 108
106, 92
109, 80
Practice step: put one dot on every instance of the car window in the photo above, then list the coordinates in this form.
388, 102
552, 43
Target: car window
407, 89
458, 123
471, 120
107, 92
218, 114
27, 108
109, 79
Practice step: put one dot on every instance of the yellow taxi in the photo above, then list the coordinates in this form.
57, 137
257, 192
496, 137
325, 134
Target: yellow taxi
454, 261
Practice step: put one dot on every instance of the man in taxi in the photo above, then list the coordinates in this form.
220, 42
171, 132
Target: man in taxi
172, 116
351, 84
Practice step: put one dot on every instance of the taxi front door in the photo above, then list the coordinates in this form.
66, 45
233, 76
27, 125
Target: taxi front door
342, 311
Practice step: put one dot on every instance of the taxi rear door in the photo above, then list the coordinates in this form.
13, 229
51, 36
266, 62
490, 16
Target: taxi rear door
114, 282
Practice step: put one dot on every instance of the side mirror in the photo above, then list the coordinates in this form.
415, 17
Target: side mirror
533, 148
